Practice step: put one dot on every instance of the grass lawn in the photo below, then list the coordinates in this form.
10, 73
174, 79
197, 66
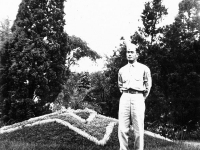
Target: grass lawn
56, 136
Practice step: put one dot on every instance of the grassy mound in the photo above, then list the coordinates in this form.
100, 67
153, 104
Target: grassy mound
73, 130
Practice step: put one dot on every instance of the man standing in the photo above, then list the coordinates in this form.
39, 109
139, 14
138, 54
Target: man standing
134, 81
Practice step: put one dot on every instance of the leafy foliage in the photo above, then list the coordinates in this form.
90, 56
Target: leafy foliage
79, 49
5, 34
151, 16
5, 31
173, 57
76, 89
84, 50
117, 61
34, 59
104, 94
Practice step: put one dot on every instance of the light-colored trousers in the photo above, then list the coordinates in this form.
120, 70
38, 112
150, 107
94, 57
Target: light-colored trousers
131, 112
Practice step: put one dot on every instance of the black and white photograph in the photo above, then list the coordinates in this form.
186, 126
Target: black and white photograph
99, 74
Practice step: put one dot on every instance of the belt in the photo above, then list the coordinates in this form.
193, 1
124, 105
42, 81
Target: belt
131, 91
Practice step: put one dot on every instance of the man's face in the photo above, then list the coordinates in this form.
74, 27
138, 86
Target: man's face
131, 54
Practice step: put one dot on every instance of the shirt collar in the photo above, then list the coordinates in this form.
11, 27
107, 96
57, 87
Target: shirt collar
133, 64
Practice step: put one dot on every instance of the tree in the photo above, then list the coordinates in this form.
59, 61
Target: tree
173, 59
110, 83
149, 47
181, 42
189, 13
77, 91
96, 97
73, 96
5, 31
5, 34
79, 49
99, 90
84, 51
151, 17
34, 59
